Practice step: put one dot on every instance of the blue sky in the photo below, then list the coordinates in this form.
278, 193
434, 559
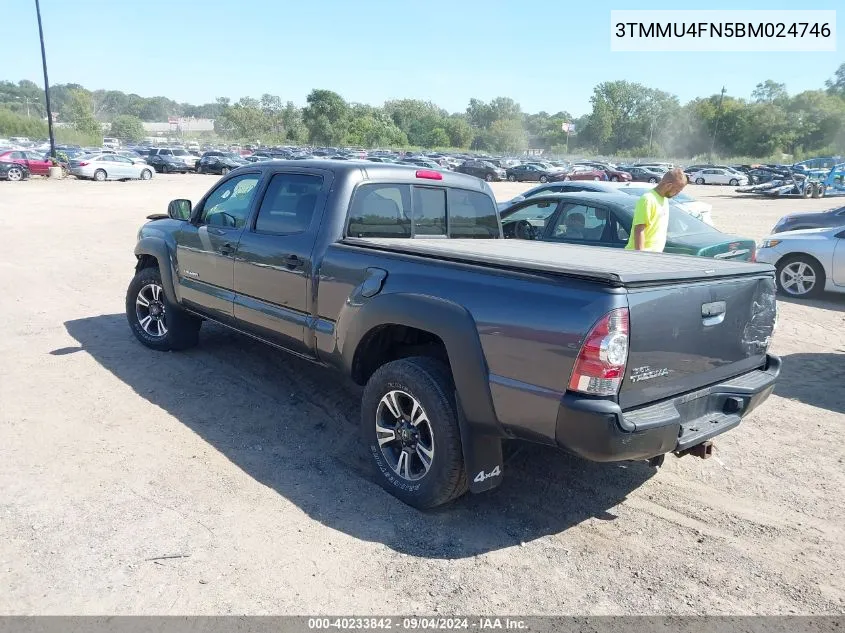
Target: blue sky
548, 55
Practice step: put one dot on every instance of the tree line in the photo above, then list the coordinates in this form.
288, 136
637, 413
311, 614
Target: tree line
626, 119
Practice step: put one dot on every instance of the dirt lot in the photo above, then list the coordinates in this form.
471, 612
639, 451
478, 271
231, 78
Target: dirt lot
239, 467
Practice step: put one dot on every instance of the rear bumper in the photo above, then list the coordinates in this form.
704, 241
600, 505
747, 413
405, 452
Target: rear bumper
600, 431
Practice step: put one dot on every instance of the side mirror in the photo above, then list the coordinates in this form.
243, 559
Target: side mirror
179, 209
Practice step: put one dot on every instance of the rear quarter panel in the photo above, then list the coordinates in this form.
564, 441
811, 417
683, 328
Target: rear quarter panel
530, 327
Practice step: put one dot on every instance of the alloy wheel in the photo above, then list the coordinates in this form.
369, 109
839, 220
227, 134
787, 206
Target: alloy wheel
405, 435
150, 310
798, 278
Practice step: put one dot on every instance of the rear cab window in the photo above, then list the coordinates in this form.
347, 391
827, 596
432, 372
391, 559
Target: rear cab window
405, 210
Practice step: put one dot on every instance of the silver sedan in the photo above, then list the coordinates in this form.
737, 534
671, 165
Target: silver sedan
108, 167
808, 261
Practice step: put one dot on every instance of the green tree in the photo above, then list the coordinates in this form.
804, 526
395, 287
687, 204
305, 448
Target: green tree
508, 135
836, 85
80, 111
458, 130
326, 117
127, 128
769, 92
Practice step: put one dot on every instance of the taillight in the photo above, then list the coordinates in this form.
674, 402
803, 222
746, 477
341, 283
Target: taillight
753, 257
430, 174
600, 366
82, 164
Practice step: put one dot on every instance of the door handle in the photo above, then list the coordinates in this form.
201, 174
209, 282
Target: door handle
227, 249
292, 261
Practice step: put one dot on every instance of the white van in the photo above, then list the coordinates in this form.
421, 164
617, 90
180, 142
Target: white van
110, 141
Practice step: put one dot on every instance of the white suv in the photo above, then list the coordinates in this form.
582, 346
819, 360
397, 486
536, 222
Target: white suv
179, 154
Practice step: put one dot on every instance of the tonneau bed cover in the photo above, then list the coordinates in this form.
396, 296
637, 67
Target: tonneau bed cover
615, 266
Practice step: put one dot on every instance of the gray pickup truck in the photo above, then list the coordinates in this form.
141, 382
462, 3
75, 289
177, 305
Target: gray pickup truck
399, 277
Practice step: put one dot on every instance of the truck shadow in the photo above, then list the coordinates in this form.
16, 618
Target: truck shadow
814, 379
828, 301
292, 426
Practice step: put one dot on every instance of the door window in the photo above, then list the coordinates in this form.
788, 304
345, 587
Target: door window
580, 222
537, 215
17, 155
229, 204
289, 204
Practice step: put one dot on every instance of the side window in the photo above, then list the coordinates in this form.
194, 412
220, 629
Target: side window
622, 234
581, 222
429, 211
17, 155
381, 210
472, 214
537, 215
288, 206
166, 152
228, 205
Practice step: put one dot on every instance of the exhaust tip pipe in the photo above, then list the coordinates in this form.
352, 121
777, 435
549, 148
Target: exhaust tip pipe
703, 450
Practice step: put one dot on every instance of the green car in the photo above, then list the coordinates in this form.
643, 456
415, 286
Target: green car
604, 219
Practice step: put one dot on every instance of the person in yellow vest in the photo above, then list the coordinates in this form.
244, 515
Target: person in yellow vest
651, 215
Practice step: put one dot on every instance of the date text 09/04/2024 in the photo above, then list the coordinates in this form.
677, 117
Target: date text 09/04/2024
417, 623
722, 29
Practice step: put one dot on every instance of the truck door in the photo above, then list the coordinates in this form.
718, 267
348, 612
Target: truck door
205, 248
274, 261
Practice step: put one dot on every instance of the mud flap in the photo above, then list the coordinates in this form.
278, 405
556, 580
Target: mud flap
482, 455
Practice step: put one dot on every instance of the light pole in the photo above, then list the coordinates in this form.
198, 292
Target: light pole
716, 125
26, 101
46, 82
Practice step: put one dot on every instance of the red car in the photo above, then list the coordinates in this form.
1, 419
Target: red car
36, 161
582, 172
616, 175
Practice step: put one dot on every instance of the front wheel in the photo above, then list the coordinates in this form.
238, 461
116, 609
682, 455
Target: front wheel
615, 179
511, 178
699, 181
146, 174
544, 179
224, 171
488, 177
800, 276
410, 423
734, 182
153, 320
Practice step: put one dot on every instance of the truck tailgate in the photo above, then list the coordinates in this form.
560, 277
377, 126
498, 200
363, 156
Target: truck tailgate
689, 335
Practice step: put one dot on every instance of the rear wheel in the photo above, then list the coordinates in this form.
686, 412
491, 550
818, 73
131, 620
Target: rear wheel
99, 175
410, 422
800, 276
698, 181
15, 174
153, 320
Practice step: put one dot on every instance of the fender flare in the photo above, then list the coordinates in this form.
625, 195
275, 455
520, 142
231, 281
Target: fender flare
452, 323
481, 431
156, 247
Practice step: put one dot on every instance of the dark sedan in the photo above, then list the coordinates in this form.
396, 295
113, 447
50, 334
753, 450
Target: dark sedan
219, 163
166, 164
482, 169
818, 220
605, 219
13, 171
644, 174
528, 172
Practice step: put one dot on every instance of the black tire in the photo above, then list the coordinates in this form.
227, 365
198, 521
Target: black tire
614, 179
698, 181
652, 180
544, 178
146, 174
511, 178
733, 182
182, 328
488, 177
199, 169
809, 261
100, 175
428, 381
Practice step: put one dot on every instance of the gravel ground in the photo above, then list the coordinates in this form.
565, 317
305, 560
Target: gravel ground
229, 479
